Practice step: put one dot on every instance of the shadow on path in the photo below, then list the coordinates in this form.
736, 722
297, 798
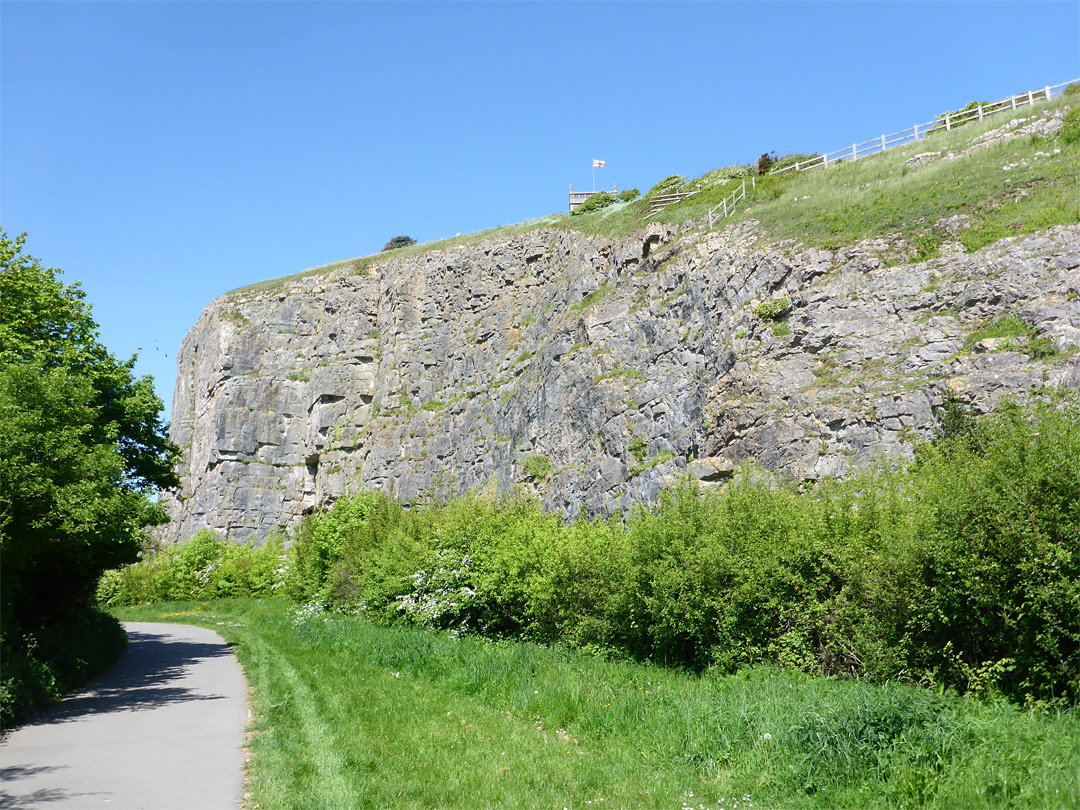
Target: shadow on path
139, 680
94, 749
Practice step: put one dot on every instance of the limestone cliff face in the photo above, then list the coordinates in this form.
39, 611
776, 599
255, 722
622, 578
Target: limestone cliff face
620, 364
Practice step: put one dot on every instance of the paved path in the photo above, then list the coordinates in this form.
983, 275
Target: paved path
161, 729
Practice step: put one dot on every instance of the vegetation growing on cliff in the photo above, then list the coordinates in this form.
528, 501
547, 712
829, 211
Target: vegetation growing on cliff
81, 450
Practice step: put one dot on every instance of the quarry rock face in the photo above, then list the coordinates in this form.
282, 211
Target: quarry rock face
594, 371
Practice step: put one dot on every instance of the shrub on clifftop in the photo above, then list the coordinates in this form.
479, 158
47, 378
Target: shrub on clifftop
398, 242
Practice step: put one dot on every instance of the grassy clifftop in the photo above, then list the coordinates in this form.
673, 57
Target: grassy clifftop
1009, 175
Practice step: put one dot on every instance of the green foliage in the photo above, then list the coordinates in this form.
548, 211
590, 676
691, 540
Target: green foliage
668, 185
537, 467
81, 450
992, 579
1002, 328
765, 163
398, 242
629, 195
780, 328
627, 375
792, 159
965, 114
963, 571
596, 202
592, 297
1070, 126
205, 567
773, 310
658, 459
42, 665
1072, 90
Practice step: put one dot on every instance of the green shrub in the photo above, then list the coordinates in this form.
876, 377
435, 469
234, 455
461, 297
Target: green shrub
963, 571
1070, 127
596, 202
398, 242
772, 310
668, 185
629, 195
792, 159
1072, 90
537, 468
42, 665
205, 567
963, 111
765, 163
991, 581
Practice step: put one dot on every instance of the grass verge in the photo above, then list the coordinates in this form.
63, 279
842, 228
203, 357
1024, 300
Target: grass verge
350, 714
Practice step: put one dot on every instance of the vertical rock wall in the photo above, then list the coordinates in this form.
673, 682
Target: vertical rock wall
620, 364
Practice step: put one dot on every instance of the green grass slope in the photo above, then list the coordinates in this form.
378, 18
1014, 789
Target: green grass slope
1005, 188
349, 714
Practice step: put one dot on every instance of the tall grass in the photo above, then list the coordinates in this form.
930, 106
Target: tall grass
351, 714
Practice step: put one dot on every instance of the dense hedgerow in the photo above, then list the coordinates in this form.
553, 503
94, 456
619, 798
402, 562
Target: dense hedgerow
206, 567
963, 570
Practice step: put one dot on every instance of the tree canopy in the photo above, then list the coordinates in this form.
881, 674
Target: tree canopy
82, 447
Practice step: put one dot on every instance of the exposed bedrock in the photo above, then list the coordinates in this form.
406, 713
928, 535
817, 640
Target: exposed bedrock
623, 363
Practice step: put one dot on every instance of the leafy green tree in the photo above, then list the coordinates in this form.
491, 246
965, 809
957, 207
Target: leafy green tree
82, 450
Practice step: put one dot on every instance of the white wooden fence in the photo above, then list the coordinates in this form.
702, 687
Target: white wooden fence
946, 122
662, 201
727, 206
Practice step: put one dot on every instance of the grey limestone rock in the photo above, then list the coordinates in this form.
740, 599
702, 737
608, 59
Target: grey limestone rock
628, 364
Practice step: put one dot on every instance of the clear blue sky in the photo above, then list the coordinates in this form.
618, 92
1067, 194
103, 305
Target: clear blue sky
165, 153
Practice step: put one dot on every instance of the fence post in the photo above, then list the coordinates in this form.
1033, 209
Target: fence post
796, 165
1047, 92
825, 161
1031, 97
916, 132
1014, 102
854, 152
753, 181
725, 208
980, 112
947, 125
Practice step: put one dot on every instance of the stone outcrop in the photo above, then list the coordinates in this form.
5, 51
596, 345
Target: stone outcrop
596, 371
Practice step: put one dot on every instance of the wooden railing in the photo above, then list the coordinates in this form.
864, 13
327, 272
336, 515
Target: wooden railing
945, 123
727, 206
662, 201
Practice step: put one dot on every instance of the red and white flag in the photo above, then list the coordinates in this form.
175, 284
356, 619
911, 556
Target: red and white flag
597, 164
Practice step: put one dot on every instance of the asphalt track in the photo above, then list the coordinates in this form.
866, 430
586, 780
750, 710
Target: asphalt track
162, 729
